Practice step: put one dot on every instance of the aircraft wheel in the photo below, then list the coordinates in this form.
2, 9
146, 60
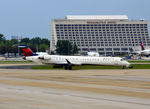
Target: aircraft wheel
66, 67
123, 67
130, 67
70, 67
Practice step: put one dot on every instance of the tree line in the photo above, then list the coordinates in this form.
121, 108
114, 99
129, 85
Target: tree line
11, 46
63, 47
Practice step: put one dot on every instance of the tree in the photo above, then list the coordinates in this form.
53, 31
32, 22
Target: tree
74, 49
25, 41
8, 47
43, 47
45, 41
2, 38
131, 50
36, 41
64, 47
32, 47
2, 48
2, 44
14, 41
11, 46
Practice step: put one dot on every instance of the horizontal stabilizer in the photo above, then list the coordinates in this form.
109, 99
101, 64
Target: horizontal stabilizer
23, 46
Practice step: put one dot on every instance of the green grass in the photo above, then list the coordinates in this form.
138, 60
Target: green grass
44, 67
135, 66
141, 66
78, 67
13, 62
138, 61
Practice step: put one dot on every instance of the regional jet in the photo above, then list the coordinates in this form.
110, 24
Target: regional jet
68, 61
92, 53
143, 52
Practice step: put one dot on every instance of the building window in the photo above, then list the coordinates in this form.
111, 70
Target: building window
108, 49
116, 49
100, 49
124, 49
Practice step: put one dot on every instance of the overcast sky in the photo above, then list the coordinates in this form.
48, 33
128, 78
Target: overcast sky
31, 18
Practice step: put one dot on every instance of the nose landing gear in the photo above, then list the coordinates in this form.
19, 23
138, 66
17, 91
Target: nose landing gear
130, 67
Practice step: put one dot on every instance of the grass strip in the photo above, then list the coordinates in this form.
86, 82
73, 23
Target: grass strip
11, 62
138, 61
135, 66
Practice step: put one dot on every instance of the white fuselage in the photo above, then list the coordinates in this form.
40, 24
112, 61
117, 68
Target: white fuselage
145, 52
93, 54
78, 60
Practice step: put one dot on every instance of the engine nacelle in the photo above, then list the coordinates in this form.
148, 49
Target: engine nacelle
44, 57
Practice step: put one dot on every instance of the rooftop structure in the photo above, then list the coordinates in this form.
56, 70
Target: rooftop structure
101, 17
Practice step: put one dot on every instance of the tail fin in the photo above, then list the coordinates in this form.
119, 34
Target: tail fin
142, 46
26, 51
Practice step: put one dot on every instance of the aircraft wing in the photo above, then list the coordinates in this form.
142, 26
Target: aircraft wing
73, 63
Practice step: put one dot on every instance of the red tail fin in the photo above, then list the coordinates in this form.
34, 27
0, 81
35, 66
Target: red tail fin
142, 46
26, 51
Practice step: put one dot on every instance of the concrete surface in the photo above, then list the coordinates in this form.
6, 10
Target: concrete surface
78, 89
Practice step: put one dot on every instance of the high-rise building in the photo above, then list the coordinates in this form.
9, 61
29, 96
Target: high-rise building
109, 35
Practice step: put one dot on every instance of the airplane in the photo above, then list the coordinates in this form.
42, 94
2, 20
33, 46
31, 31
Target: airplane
68, 61
90, 53
143, 52
29, 55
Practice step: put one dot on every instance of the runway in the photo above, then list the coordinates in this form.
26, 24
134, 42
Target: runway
78, 89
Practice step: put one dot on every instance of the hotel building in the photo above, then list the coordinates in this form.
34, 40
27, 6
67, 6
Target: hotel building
108, 35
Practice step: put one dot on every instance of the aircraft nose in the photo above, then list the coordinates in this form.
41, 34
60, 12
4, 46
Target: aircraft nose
127, 64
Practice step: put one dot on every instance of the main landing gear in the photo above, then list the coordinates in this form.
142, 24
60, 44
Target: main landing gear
123, 67
68, 67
